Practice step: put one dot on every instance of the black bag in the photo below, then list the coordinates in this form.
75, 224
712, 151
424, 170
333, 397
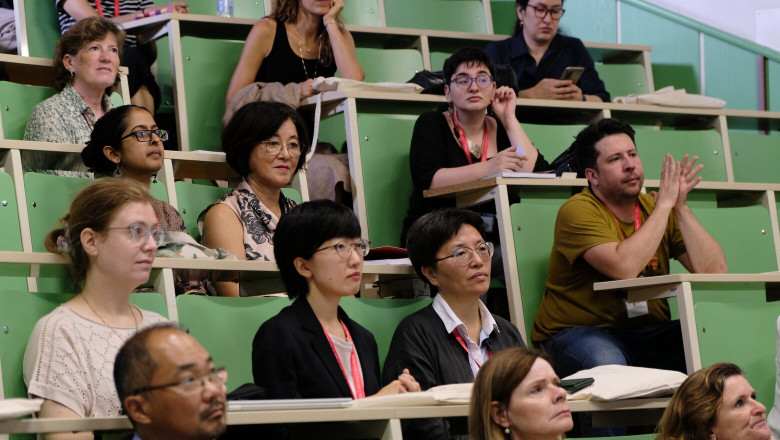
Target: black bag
431, 82
566, 163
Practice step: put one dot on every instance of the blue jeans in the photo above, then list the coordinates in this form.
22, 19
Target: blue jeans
580, 348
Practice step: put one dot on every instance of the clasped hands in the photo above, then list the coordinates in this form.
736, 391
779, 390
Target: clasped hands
678, 178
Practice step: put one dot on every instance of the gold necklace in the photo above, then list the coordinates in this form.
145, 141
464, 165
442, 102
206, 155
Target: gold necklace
135, 322
319, 52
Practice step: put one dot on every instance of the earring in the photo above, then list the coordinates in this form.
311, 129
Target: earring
520, 20
506, 430
117, 171
154, 178
72, 73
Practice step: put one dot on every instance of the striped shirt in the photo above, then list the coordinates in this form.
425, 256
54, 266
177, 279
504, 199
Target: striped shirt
125, 7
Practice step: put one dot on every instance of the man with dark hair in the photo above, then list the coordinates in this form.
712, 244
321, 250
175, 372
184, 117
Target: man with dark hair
612, 231
169, 387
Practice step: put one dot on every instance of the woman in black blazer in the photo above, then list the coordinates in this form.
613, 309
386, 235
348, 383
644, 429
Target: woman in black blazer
312, 349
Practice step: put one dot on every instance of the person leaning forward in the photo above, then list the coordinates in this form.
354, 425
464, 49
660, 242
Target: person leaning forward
612, 231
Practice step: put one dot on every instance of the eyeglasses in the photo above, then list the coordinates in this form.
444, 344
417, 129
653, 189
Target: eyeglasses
464, 255
344, 249
275, 147
140, 234
542, 12
464, 82
146, 135
192, 384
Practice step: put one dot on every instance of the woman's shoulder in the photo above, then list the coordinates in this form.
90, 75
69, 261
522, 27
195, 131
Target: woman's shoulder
149, 318
425, 318
429, 120
265, 27
565, 41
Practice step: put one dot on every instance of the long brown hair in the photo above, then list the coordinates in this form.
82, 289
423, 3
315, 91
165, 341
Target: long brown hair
93, 207
286, 11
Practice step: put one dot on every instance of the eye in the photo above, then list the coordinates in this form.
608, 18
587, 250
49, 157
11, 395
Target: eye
294, 145
339, 246
459, 252
536, 390
114, 50
739, 404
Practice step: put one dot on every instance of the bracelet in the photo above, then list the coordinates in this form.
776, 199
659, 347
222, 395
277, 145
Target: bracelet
330, 22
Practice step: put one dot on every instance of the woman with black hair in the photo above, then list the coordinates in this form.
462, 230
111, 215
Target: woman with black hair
312, 349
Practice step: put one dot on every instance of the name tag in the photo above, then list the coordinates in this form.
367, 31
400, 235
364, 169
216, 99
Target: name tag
636, 309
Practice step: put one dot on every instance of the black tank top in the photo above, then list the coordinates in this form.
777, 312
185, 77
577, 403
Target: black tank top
284, 66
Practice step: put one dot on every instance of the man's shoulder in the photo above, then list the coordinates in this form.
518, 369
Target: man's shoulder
581, 200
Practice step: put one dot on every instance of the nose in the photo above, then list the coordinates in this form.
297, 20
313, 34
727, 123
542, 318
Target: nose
476, 259
284, 152
150, 243
559, 394
473, 84
759, 408
547, 17
628, 163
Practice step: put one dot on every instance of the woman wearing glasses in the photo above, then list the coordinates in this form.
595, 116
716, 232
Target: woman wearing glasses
312, 349
266, 143
540, 55
464, 143
449, 340
110, 237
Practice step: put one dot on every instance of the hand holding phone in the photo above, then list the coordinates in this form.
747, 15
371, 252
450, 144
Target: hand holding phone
573, 73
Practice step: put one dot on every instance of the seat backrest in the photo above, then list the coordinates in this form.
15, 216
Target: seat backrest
443, 15
755, 157
533, 226
241, 8
12, 276
151, 301
623, 79
226, 328
552, 140
707, 144
389, 65
504, 14
361, 13
381, 316
747, 338
207, 68
43, 28
192, 199
17, 102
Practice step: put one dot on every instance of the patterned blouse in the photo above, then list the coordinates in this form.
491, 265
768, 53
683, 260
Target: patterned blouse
170, 220
63, 118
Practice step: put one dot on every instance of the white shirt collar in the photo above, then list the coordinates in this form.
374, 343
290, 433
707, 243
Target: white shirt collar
451, 321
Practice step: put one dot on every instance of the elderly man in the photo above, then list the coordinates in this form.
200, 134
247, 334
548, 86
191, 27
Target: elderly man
169, 387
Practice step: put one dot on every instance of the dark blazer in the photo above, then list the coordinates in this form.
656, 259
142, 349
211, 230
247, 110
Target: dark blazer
292, 359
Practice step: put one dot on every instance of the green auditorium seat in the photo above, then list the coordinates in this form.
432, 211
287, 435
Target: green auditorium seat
707, 144
42, 26
747, 338
151, 301
443, 15
205, 93
361, 13
226, 328
504, 15
381, 317
241, 8
755, 157
17, 102
552, 140
389, 65
625, 437
12, 277
623, 79
192, 199
533, 225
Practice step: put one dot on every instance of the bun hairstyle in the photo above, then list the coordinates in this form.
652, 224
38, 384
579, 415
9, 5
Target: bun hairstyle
93, 207
108, 131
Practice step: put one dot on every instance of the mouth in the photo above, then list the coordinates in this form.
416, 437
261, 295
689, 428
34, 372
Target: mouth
283, 168
155, 154
147, 262
564, 413
480, 276
759, 424
631, 180
354, 276
217, 410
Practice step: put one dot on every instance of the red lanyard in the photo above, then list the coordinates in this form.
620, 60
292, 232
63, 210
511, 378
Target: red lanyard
457, 335
99, 8
465, 144
637, 220
359, 391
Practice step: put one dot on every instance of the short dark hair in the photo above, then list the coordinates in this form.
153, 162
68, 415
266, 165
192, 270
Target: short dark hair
471, 56
429, 233
584, 145
76, 37
135, 365
254, 123
302, 230
107, 132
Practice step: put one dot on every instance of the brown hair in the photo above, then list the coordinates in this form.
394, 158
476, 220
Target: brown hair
495, 382
692, 411
286, 11
75, 38
93, 207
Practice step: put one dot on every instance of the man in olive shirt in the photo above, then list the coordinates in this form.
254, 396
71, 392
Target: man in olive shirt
612, 231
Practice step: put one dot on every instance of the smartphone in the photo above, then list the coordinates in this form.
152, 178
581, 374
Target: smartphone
573, 73
573, 385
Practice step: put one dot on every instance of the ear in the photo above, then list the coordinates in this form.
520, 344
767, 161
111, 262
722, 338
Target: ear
138, 409
112, 155
303, 267
88, 239
498, 414
430, 273
67, 61
592, 175
447, 92
520, 12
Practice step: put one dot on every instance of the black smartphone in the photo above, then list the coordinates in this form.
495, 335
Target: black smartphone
573, 73
573, 385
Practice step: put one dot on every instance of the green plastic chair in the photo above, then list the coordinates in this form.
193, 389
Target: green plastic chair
625, 437
754, 157
192, 199
19, 99
12, 277
361, 13
504, 17
623, 79
444, 15
389, 65
151, 301
707, 144
533, 226
747, 338
43, 28
241, 8
207, 67
381, 317
226, 328
552, 140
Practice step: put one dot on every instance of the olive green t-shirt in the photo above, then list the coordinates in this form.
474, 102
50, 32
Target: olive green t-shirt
569, 300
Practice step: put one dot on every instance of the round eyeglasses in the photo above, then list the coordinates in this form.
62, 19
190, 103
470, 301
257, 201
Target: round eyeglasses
146, 135
464, 82
464, 255
344, 249
192, 384
140, 234
275, 147
540, 12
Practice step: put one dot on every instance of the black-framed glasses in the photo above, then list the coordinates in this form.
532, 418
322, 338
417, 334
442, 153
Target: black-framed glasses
464, 81
275, 147
464, 255
344, 249
191, 384
540, 12
140, 234
146, 135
